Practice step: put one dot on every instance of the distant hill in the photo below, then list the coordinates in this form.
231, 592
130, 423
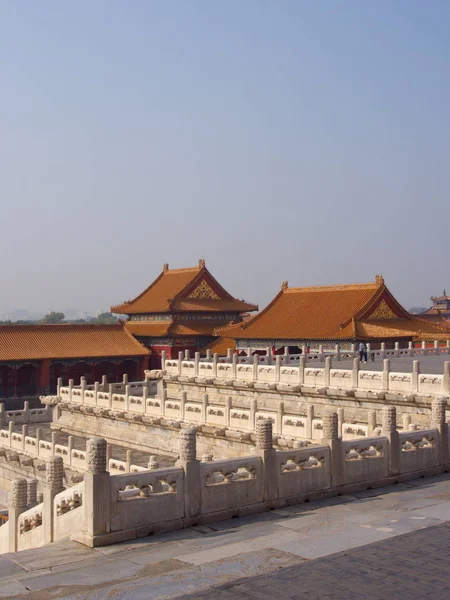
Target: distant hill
418, 310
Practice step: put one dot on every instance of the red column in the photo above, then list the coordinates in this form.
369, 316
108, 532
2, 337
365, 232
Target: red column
43, 376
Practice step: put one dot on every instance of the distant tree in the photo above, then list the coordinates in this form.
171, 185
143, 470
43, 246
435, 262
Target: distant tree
53, 318
105, 318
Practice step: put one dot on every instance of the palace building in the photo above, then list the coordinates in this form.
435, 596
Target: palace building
180, 310
32, 357
329, 314
440, 311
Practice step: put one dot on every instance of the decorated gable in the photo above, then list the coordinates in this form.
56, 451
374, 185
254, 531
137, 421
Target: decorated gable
204, 291
383, 311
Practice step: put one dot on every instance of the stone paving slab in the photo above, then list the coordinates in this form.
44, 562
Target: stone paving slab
253, 557
413, 566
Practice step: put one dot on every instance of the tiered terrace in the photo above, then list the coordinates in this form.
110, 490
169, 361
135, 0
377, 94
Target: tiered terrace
106, 508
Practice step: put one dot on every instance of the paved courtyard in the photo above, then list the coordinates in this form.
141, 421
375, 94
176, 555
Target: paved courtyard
381, 544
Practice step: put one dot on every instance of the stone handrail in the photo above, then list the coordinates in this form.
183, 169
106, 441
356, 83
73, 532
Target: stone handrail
25, 415
319, 353
109, 508
303, 377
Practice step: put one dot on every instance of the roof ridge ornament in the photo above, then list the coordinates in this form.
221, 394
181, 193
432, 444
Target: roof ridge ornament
379, 279
165, 267
284, 285
201, 263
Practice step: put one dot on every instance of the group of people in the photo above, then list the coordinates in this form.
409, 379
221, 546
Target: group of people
362, 352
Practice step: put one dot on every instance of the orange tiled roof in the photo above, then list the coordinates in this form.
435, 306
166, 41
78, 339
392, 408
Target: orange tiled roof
176, 290
398, 328
221, 345
37, 342
307, 313
335, 312
148, 329
171, 328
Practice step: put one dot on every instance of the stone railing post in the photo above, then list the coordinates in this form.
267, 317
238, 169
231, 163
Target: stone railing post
268, 355
2, 415
214, 364
187, 355
436, 347
415, 376
229, 355
24, 435
301, 369
127, 396
180, 361
188, 460
205, 403
446, 379
397, 349
82, 388
97, 502
332, 439
196, 362
32, 493
389, 430
69, 449
383, 350
208, 355
424, 349
279, 421
162, 401
38, 440
304, 354
353, 350
277, 368
406, 421
228, 405
355, 373
337, 352
17, 505
153, 463
410, 349
447, 346
255, 366
267, 453
321, 355
341, 418
438, 421
368, 349
26, 412
163, 361
125, 379
371, 421
327, 369
54, 468
110, 394
96, 391
128, 460
253, 409
309, 421
70, 389
58, 386
104, 387
183, 400
234, 362
385, 373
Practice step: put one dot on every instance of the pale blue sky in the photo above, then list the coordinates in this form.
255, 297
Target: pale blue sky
306, 141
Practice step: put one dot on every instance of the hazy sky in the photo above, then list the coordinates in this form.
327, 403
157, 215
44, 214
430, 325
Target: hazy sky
307, 141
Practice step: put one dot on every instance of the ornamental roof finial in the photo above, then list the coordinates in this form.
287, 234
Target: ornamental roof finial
284, 285
165, 267
201, 263
379, 280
